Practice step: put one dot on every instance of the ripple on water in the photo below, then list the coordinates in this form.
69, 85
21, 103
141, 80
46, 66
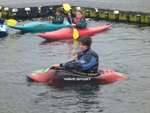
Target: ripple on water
124, 48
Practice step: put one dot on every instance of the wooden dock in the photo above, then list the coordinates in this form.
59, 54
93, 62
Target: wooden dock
139, 18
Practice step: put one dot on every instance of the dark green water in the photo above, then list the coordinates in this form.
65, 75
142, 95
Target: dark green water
124, 48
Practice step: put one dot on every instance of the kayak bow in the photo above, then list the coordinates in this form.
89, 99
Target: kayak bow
66, 33
35, 27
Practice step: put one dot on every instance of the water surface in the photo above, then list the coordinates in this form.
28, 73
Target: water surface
124, 48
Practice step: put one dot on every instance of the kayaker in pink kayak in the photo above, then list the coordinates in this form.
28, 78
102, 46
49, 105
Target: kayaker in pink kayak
79, 20
87, 60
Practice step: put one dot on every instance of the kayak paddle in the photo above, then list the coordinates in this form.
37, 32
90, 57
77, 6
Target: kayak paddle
75, 32
67, 8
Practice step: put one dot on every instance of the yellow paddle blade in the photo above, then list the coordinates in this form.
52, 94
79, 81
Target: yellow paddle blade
75, 34
66, 7
11, 22
75, 42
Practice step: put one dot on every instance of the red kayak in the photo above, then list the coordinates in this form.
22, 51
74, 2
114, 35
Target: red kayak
49, 77
66, 33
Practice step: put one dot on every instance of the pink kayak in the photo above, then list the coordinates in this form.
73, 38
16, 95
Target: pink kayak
66, 33
49, 77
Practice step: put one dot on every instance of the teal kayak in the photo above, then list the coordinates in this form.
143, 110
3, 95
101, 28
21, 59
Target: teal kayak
35, 27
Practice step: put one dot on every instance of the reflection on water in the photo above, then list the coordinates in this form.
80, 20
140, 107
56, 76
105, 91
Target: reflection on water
124, 48
80, 98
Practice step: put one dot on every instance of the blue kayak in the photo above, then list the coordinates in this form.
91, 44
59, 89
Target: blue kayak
35, 27
3, 30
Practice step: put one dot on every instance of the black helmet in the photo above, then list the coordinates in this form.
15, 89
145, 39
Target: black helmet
87, 41
60, 10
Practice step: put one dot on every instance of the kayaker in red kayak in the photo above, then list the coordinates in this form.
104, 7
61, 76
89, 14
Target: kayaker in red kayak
87, 60
83, 69
59, 16
79, 20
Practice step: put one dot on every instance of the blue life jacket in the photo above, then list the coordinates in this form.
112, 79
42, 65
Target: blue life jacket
87, 62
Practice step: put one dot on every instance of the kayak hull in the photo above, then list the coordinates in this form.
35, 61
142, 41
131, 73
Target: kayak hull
3, 31
66, 33
49, 77
35, 27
